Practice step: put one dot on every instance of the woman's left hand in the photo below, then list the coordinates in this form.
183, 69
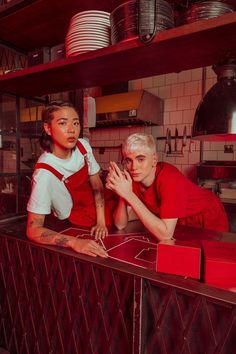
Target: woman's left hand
99, 231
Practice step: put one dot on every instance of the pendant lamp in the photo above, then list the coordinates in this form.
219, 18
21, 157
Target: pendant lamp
215, 117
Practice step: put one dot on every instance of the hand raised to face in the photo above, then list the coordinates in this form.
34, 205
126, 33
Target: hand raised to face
119, 181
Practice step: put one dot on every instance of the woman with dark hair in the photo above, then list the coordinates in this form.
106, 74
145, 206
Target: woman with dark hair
66, 182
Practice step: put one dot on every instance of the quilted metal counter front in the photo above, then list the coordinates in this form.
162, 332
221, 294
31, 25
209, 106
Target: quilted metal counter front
55, 301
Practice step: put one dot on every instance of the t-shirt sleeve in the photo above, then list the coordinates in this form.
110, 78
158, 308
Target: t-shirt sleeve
93, 166
40, 198
173, 193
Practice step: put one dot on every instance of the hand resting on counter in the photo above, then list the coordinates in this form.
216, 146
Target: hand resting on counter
40, 234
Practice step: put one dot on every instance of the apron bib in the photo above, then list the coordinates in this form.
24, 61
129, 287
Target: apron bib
83, 212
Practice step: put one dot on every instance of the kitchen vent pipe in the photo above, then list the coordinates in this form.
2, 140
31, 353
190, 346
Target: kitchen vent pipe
215, 117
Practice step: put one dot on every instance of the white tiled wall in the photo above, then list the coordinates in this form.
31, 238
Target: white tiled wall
181, 94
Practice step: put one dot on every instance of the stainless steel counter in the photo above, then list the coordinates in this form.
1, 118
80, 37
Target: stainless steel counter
56, 301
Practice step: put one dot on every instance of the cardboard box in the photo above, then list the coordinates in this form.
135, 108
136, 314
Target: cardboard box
219, 268
180, 258
31, 114
58, 52
40, 56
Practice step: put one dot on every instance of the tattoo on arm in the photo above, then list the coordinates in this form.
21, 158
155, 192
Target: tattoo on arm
99, 203
36, 222
99, 198
48, 234
62, 241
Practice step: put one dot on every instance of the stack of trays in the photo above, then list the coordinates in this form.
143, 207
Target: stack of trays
125, 19
207, 9
88, 30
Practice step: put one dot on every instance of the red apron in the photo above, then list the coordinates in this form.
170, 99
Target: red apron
83, 212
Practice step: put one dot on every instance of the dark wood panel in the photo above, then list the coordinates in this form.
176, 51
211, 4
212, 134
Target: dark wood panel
190, 46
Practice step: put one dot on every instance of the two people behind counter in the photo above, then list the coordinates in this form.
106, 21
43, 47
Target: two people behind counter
159, 194
66, 182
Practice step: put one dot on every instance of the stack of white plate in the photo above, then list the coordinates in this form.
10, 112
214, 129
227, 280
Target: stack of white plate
88, 30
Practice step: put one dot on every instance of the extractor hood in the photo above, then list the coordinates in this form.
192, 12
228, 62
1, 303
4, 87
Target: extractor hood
129, 108
215, 117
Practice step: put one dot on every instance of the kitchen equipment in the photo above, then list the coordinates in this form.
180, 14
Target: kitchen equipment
129, 108
176, 151
167, 147
226, 192
31, 114
142, 18
89, 111
215, 117
147, 20
88, 30
39, 56
58, 52
169, 141
221, 170
184, 139
191, 143
219, 177
176, 139
203, 10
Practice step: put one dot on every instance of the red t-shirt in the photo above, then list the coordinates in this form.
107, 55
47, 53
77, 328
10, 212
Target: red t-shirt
172, 196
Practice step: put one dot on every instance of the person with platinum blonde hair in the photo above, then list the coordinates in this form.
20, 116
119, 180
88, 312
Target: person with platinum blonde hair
159, 194
137, 140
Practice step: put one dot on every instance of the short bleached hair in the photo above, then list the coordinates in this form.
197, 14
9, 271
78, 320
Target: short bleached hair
139, 141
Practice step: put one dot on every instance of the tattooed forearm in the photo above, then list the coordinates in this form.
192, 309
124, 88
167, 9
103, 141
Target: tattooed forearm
99, 198
62, 241
98, 193
37, 232
48, 233
99, 203
36, 222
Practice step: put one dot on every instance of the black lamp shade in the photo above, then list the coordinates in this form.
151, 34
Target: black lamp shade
215, 117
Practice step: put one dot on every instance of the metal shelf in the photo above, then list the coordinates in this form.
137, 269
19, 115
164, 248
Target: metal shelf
186, 47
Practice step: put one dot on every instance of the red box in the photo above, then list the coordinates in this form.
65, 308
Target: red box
179, 257
219, 264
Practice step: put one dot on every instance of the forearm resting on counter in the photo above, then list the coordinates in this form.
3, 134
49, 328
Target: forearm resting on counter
40, 234
37, 232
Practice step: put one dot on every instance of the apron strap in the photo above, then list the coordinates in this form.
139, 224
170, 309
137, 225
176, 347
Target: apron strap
45, 166
81, 148
60, 176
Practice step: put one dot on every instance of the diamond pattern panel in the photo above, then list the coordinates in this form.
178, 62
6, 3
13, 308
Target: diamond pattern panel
10, 60
179, 322
53, 303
